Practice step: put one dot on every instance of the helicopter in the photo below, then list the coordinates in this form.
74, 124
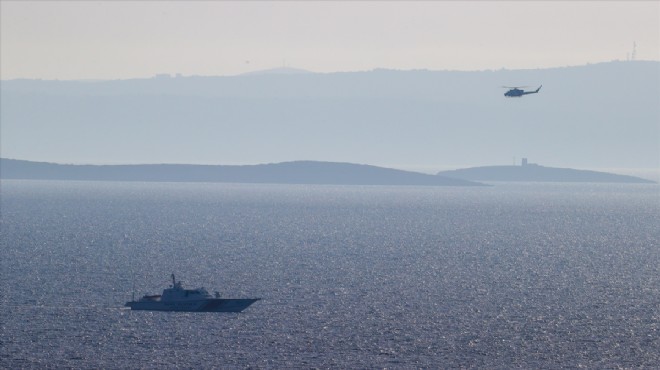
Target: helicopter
516, 92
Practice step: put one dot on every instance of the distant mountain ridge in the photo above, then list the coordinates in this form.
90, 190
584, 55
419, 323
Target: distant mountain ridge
277, 71
537, 173
298, 172
593, 116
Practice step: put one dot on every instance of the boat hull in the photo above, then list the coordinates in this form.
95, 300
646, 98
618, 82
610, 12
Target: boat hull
204, 305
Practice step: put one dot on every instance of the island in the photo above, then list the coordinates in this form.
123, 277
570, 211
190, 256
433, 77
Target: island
532, 172
297, 172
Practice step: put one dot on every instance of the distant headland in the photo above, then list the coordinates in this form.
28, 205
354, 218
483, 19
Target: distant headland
298, 172
303, 172
531, 172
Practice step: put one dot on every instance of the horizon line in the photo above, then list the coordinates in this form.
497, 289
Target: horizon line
303, 71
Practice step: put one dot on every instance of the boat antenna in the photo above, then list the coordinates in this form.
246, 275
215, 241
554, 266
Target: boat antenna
173, 281
133, 276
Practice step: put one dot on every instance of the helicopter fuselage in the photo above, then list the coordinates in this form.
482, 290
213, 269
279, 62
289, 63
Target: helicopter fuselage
516, 93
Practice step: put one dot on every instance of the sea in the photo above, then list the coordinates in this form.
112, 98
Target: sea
513, 275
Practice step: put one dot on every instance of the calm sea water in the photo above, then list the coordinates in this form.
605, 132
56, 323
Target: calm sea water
514, 275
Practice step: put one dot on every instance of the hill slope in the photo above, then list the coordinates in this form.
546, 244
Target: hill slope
536, 173
301, 172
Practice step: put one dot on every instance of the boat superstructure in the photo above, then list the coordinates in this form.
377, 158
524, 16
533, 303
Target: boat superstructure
176, 298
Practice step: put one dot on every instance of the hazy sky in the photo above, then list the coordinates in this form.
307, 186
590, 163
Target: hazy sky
124, 39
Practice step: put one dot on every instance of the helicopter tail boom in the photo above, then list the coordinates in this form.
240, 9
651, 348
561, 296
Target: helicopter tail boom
533, 92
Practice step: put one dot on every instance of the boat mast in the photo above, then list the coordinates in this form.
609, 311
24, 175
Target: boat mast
173, 281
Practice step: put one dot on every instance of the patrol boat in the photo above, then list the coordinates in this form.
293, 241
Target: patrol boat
176, 298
